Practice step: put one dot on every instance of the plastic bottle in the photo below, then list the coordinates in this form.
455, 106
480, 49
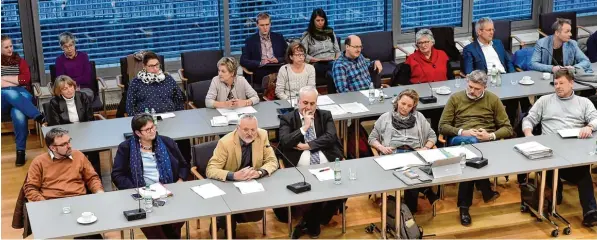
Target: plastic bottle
337, 172
371, 94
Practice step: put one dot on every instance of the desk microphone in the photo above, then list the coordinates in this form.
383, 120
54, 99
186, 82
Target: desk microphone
477, 162
135, 214
428, 99
298, 187
553, 59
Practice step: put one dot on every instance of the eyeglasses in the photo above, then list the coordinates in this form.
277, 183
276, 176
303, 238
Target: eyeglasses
298, 55
357, 47
68, 46
157, 65
423, 43
148, 130
64, 144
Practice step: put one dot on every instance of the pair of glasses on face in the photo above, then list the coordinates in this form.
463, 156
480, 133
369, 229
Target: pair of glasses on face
298, 55
423, 43
148, 130
357, 47
157, 65
64, 144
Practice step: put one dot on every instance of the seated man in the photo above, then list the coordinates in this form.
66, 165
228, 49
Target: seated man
263, 48
242, 155
472, 116
308, 137
351, 70
564, 110
61, 172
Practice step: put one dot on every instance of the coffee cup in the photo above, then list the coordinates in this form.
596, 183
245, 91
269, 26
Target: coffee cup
87, 216
546, 76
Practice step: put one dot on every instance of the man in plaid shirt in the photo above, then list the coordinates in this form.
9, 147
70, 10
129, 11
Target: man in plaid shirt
351, 69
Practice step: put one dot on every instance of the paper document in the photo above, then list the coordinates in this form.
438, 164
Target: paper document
229, 118
455, 151
432, 155
354, 107
568, 133
377, 93
251, 186
533, 150
166, 115
323, 174
240, 110
156, 190
394, 161
321, 100
334, 109
208, 190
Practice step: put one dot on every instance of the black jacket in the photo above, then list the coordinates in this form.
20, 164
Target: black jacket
327, 141
58, 113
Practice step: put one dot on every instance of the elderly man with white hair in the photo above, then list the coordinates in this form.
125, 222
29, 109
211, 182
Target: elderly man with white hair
472, 116
486, 52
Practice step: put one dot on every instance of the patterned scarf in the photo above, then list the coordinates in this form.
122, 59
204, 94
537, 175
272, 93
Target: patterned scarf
148, 78
399, 122
12, 60
162, 159
323, 34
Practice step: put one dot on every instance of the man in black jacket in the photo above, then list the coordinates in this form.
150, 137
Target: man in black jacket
308, 137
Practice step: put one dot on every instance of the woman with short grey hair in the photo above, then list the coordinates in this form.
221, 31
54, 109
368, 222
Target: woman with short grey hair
426, 64
75, 64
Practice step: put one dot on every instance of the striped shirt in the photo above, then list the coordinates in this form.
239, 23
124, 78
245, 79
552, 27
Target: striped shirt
11, 70
351, 74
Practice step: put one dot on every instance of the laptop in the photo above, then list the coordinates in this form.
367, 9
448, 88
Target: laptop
446, 167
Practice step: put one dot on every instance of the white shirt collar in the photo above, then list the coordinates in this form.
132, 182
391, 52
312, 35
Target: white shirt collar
485, 45
52, 156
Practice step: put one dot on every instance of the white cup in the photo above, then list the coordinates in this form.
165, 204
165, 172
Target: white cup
87, 216
526, 79
546, 76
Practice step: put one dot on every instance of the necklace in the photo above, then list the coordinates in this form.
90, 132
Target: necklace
144, 147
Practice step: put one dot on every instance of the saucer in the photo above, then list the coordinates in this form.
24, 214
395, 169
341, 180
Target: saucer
81, 220
530, 82
443, 91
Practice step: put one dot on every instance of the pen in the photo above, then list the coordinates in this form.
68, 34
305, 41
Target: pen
323, 170
276, 103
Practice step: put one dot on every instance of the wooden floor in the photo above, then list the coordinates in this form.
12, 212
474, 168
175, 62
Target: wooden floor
500, 219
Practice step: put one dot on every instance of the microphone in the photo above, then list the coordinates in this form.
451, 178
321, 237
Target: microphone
477, 162
135, 214
428, 99
298, 187
282, 111
553, 59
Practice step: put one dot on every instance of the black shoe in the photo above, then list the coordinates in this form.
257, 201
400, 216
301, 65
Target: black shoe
495, 195
299, 230
431, 196
20, 158
590, 219
465, 217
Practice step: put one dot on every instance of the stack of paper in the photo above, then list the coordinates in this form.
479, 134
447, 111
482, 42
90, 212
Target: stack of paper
323, 174
533, 150
238, 111
321, 100
334, 109
399, 161
156, 190
229, 118
251, 186
569, 133
354, 107
455, 151
432, 155
208, 190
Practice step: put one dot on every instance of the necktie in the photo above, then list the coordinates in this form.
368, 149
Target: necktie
310, 136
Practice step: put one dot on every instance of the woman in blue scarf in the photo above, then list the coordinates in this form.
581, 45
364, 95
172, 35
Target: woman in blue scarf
147, 158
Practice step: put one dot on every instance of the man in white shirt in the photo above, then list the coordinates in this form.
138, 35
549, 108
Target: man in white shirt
308, 137
486, 51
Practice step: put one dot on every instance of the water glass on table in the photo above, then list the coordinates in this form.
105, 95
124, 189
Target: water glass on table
352, 174
457, 82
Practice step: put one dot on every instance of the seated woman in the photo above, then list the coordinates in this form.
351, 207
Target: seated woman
403, 130
296, 74
321, 45
153, 88
75, 64
71, 106
227, 90
426, 64
16, 100
147, 158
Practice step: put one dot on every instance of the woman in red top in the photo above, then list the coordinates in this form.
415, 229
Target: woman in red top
426, 64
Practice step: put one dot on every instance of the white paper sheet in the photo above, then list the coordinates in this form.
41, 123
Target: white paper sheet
432, 155
354, 107
389, 162
208, 190
531, 147
321, 100
566, 133
455, 151
156, 190
251, 186
377, 93
219, 121
334, 109
323, 174
166, 115
241, 110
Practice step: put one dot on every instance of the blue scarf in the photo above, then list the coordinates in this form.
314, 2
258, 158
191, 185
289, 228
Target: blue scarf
162, 158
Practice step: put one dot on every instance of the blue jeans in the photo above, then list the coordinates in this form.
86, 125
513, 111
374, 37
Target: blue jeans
457, 140
17, 102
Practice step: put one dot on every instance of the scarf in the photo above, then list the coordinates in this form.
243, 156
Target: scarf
162, 158
12, 60
148, 78
399, 122
323, 34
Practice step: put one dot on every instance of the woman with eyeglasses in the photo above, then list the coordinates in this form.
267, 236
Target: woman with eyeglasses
404, 129
152, 88
321, 44
147, 158
74, 64
426, 64
227, 90
296, 74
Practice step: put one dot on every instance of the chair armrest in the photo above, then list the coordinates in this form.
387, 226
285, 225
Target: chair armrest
36, 89
247, 71
281, 164
585, 29
385, 85
375, 152
119, 82
99, 116
196, 173
102, 82
461, 74
191, 105
266, 98
542, 33
518, 69
441, 139
460, 43
402, 50
181, 75
518, 40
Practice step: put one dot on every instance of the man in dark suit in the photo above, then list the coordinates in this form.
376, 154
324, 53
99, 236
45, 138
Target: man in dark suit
263, 52
308, 137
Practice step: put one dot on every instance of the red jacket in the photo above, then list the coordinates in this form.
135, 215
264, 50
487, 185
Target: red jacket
428, 70
24, 74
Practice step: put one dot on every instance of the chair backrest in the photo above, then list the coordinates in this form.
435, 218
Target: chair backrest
378, 46
197, 91
200, 65
124, 70
94, 82
201, 154
444, 40
502, 32
546, 20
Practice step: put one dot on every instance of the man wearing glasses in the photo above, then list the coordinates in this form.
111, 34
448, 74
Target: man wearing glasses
351, 71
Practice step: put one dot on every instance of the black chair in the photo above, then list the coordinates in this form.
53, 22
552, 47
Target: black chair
98, 103
380, 46
199, 66
124, 79
503, 32
196, 93
201, 153
444, 40
546, 21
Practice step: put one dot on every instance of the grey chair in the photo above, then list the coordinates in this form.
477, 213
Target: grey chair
199, 66
196, 93
380, 46
546, 21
